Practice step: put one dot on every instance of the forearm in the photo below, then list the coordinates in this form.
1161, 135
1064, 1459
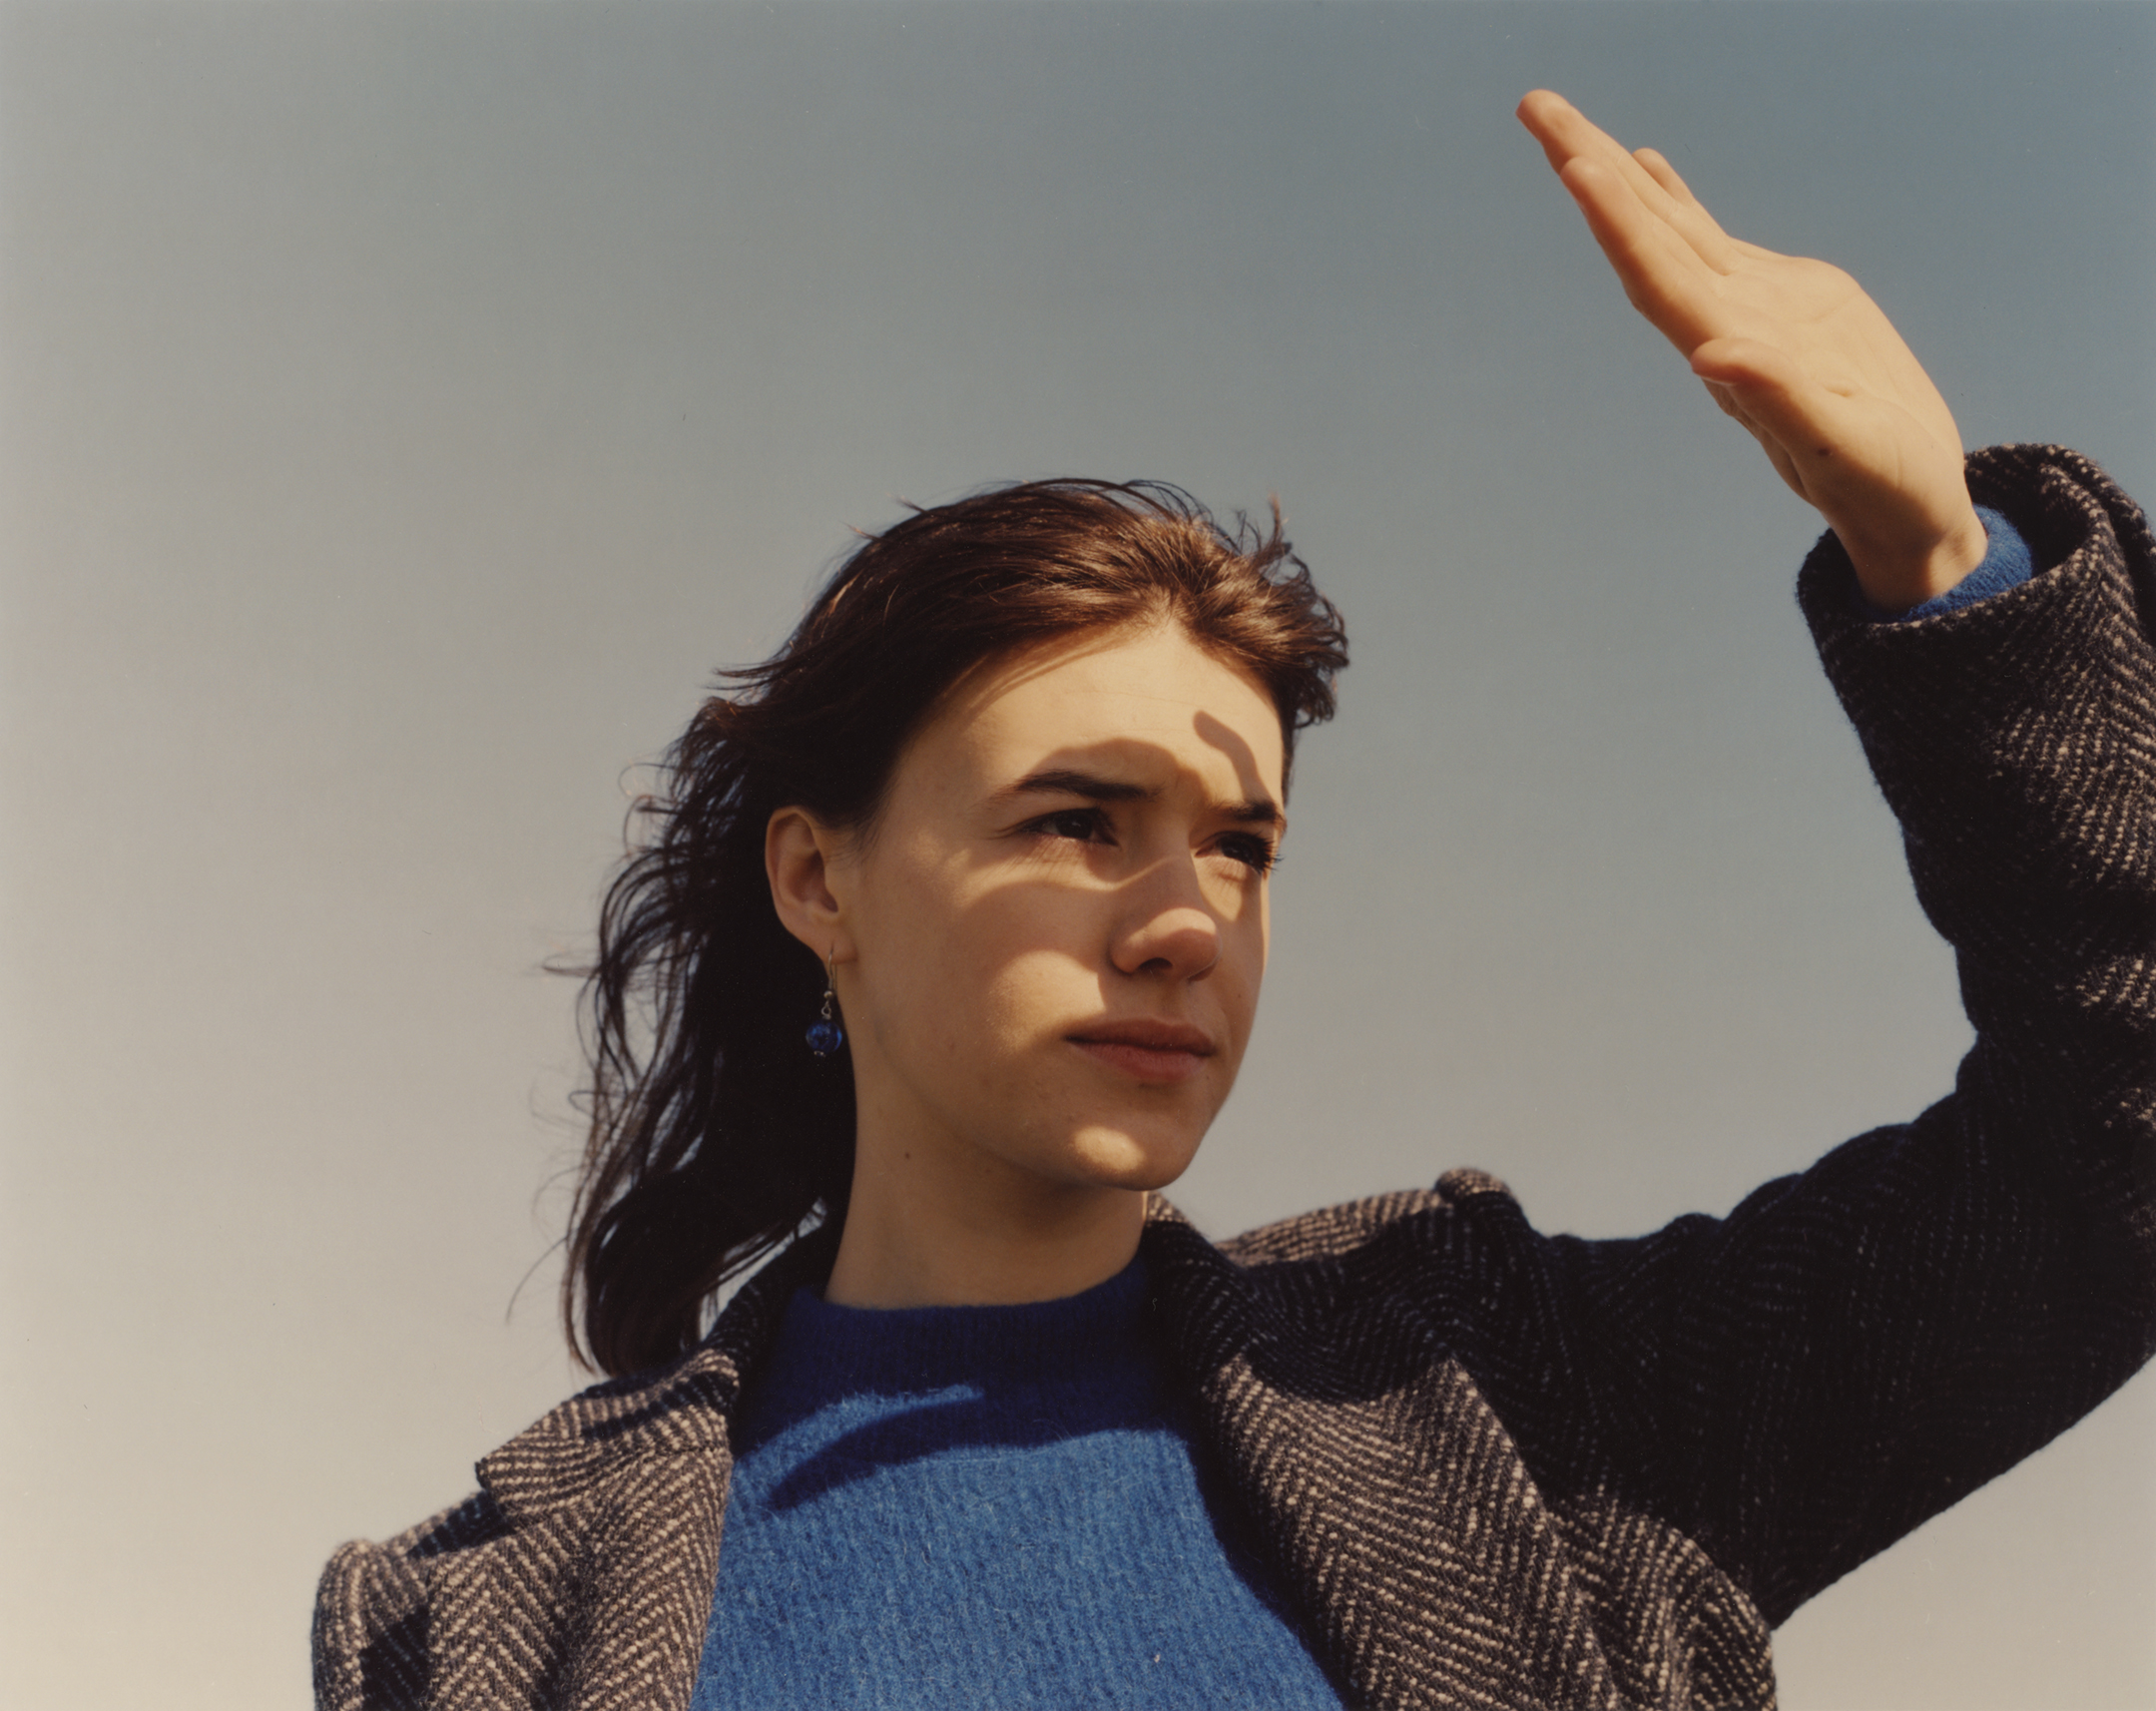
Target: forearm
2015, 740
1856, 1348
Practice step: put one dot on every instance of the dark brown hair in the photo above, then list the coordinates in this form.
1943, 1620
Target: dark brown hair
716, 1134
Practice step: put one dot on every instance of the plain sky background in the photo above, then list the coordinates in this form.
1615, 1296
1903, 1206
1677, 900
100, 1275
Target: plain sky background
406, 410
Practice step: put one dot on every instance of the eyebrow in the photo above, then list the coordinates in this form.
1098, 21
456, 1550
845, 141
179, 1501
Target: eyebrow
1068, 781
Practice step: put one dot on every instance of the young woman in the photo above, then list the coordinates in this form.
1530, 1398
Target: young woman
944, 955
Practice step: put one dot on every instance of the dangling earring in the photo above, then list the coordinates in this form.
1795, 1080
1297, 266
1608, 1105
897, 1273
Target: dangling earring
825, 1034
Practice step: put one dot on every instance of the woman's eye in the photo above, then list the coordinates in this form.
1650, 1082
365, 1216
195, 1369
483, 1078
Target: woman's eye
1082, 823
1253, 853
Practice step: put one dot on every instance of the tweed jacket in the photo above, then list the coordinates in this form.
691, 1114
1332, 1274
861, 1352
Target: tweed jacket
1497, 1468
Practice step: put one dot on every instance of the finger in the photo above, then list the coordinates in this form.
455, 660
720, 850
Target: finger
1728, 404
1567, 135
1777, 455
1662, 275
1548, 117
1699, 228
1657, 167
1767, 389
1724, 403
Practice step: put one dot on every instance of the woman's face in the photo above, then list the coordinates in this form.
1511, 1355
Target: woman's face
1050, 944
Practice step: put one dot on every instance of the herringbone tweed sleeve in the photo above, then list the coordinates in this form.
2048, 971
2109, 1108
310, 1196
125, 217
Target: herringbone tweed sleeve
1855, 1349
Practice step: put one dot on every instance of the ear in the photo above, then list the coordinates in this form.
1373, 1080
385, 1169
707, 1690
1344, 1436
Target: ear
798, 855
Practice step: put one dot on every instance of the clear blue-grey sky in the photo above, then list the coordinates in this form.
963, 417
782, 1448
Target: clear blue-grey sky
404, 409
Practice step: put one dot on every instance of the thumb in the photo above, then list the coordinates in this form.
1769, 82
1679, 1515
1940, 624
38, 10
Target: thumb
1769, 391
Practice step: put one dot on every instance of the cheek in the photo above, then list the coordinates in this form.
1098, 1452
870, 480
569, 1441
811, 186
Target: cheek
965, 976
1032, 976
1242, 970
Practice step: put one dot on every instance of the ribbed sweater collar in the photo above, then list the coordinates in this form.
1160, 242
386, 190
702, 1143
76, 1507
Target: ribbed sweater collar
832, 1351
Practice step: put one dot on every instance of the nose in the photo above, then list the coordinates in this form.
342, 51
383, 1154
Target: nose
1167, 930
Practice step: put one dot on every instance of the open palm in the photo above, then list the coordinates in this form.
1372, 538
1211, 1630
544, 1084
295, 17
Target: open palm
1794, 351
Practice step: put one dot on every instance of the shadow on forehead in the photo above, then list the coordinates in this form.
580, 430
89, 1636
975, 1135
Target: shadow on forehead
1135, 768
1261, 788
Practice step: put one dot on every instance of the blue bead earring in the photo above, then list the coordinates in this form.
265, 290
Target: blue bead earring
825, 1034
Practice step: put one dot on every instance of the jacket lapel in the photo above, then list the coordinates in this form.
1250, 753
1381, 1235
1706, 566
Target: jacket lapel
1389, 1492
1386, 1490
613, 1506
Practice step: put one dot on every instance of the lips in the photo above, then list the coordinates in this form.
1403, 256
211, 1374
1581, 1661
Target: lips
1153, 1051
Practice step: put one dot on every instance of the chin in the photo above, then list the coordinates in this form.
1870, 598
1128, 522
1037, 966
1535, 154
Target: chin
1120, 1158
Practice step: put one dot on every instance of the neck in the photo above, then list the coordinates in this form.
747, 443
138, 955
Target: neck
922, 1235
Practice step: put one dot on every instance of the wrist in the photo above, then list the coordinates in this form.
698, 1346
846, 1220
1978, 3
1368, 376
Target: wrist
1896, 576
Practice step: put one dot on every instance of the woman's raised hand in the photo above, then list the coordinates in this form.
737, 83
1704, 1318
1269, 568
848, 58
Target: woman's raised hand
1794, 352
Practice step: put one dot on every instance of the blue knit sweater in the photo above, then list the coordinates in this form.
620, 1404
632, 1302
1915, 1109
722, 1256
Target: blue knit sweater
985, 1505
1004, 1506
